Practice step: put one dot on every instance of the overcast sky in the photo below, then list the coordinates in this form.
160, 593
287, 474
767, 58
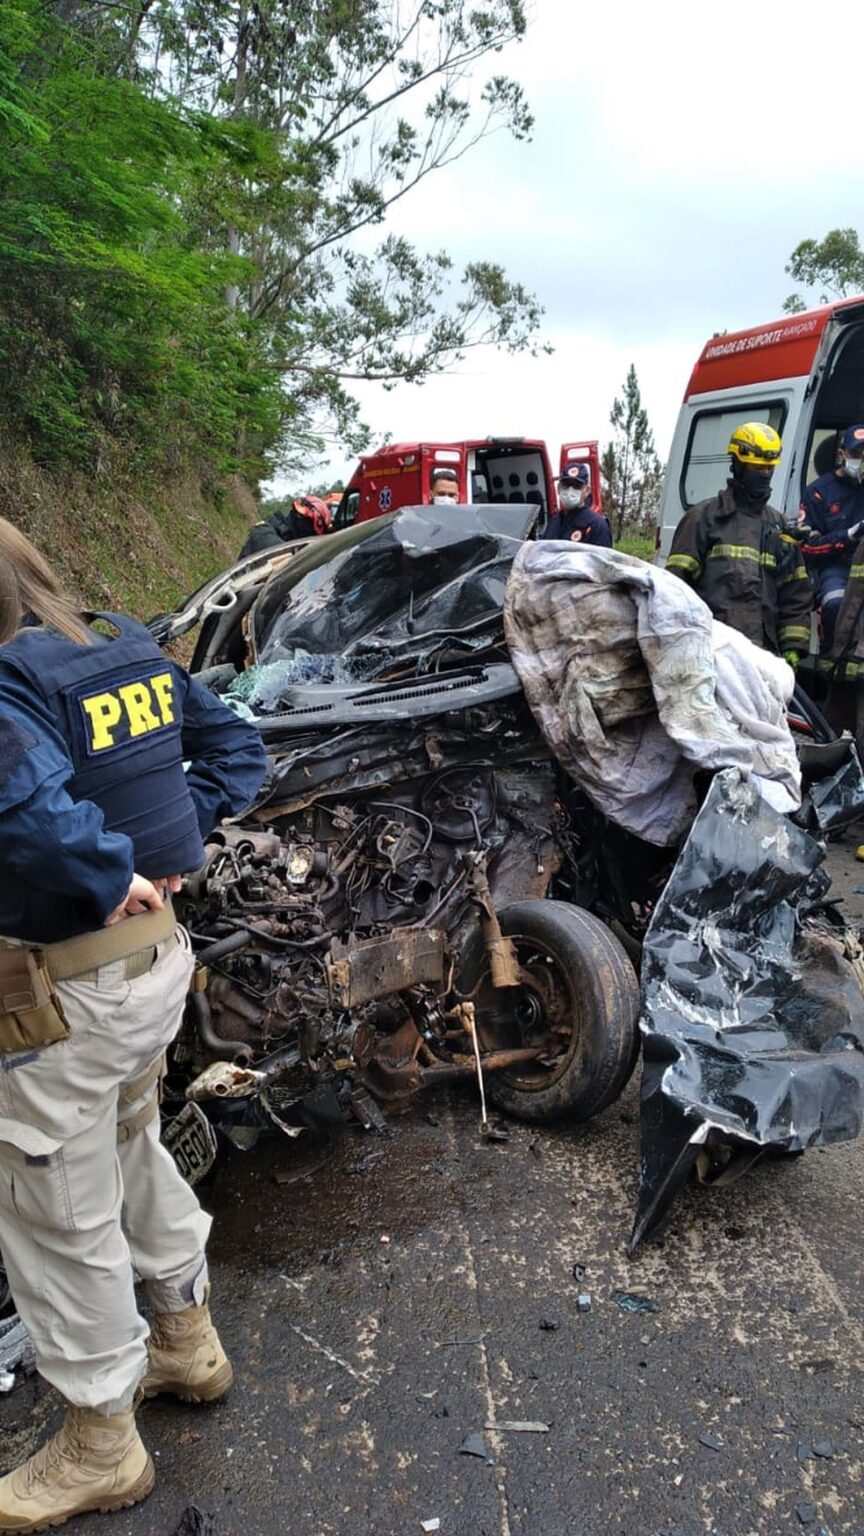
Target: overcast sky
680, 153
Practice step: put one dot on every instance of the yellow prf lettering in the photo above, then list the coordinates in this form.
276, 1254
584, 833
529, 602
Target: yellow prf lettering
138, 704
104, 712
163, 687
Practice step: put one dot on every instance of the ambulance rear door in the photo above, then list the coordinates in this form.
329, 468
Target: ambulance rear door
449, 456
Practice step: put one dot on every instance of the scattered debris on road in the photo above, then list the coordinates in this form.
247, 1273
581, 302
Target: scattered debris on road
474, 1445
634, 1301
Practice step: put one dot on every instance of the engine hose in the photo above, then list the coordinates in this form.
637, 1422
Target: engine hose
222, 947
216, 1045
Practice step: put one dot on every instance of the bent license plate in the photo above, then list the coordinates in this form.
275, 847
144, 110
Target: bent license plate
191, 1140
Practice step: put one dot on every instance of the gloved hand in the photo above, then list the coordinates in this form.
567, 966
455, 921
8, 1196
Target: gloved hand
793, 659
854, 533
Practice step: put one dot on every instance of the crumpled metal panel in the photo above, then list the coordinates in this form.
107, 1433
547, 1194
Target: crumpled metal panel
753, 1021
364, 970
837, 799
418, 580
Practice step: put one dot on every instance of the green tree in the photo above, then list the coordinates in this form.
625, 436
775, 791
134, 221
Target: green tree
192, 202
834, 265
363, 101
631, 472
112, 320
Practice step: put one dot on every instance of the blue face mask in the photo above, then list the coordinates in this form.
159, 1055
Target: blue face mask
852, 469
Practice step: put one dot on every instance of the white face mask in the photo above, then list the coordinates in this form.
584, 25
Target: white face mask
444, 501
570, 498
852, 469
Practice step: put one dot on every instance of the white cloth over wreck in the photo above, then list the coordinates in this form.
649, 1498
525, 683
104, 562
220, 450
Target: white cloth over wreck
634, 686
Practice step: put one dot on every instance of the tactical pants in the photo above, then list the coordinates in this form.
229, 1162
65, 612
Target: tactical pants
87, 1191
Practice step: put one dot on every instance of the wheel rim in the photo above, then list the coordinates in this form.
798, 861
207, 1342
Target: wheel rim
543, 1010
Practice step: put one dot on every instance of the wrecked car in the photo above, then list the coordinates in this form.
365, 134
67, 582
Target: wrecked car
456, 860
380, 920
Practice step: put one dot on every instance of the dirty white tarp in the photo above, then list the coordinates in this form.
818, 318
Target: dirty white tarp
634, 685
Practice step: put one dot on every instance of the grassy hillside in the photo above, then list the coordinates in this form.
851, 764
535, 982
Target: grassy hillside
123, 542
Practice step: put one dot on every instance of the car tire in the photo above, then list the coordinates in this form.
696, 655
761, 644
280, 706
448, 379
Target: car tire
577, 981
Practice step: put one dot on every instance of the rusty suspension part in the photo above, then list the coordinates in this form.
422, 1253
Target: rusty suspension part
503, 961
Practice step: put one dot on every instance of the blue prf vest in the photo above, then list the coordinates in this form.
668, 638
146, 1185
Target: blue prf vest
117, 706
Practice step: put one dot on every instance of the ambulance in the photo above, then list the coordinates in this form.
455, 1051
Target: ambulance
489, 469
804, 375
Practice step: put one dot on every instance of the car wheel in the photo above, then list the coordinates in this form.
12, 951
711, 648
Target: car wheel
579, 993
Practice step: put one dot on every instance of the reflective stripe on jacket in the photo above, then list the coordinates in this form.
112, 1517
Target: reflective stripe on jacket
748, 571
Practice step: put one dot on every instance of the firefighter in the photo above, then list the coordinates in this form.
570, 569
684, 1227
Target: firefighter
832, 517
307, 517
99, 818
732, 549
575, 520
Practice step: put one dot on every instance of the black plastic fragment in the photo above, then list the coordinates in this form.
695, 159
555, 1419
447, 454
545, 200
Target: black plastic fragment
752, 1021
711, 1441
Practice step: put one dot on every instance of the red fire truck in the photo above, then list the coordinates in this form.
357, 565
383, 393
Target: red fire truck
490, 469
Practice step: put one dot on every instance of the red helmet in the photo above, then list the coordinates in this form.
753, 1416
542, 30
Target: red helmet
316, 512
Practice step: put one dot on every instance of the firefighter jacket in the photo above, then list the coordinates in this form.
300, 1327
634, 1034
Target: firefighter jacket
748, 571
112, 759
580, 525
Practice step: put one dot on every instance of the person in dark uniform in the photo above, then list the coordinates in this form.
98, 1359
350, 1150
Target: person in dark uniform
114, 766
832, 515
733, 551
575, 519
306, 518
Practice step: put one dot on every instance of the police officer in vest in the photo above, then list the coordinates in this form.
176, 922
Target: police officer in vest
98, 821
576, 520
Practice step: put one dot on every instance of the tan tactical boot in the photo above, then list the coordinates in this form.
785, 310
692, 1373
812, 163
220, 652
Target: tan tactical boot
95, 1461
186, 1357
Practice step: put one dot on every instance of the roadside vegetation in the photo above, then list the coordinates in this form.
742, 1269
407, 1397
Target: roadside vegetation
197, 269
631, 474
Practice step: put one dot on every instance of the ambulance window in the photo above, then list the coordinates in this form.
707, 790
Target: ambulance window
706, 460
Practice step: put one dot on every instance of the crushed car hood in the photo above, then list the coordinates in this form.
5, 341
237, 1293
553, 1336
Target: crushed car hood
419, 581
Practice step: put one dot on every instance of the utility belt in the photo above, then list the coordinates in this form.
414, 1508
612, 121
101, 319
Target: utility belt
31, 1014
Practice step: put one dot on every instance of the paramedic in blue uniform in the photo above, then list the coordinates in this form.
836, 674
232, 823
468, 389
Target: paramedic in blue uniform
832, 509
575, 519
98, 821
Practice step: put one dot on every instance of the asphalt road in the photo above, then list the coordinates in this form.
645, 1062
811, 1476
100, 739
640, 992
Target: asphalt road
388, 1300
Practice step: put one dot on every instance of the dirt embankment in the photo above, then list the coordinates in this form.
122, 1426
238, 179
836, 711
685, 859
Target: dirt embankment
125, 541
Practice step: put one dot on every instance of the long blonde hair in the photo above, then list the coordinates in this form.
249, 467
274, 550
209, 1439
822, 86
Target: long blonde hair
28, 586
